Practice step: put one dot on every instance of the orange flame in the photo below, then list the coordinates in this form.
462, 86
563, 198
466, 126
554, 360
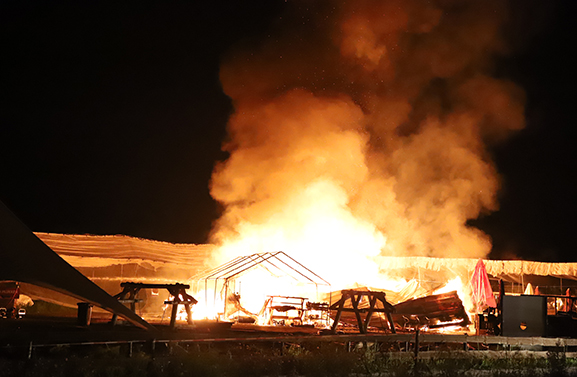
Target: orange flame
365, 139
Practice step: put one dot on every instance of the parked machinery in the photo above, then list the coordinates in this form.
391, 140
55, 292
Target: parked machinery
9, 294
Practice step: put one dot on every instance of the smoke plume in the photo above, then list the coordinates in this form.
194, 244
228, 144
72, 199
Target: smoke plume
370, 116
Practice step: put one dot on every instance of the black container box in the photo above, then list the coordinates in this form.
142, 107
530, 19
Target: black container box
524, 316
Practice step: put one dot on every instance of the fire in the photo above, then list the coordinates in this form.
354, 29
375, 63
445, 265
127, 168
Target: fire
368, 137
208, 306
392, 284
464, 293
317, 228
452, 285
180, 313
449, 328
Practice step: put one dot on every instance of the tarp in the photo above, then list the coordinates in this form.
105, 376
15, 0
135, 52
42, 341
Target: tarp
85, 250
25, 258
109, 260
93, 251
495, 268
481, 291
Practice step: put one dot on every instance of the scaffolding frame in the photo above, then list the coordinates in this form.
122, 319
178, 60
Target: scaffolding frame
277, 263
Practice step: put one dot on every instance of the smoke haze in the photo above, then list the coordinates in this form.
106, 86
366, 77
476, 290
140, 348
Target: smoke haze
370, 116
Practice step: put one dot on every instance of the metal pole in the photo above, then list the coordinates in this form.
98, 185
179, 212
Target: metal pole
205, 297
225, 298
214, 297
522, 280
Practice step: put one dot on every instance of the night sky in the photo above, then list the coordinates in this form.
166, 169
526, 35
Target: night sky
112, 118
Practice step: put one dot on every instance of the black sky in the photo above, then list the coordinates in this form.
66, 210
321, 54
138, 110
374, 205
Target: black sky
112, 117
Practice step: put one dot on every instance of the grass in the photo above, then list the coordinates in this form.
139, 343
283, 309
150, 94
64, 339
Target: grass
265, 359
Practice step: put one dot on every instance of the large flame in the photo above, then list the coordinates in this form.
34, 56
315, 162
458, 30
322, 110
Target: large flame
361, 128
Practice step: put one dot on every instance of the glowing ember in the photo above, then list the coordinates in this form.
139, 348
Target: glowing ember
447, 328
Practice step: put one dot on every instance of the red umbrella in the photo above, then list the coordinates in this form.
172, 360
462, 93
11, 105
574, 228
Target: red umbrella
481, 287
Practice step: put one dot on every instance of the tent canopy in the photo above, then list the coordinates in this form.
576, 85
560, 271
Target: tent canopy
509, 270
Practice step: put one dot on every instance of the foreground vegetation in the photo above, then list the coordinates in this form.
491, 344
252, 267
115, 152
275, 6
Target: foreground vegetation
277, 360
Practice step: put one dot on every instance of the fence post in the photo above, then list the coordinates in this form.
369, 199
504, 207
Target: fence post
153, 348
417, 344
